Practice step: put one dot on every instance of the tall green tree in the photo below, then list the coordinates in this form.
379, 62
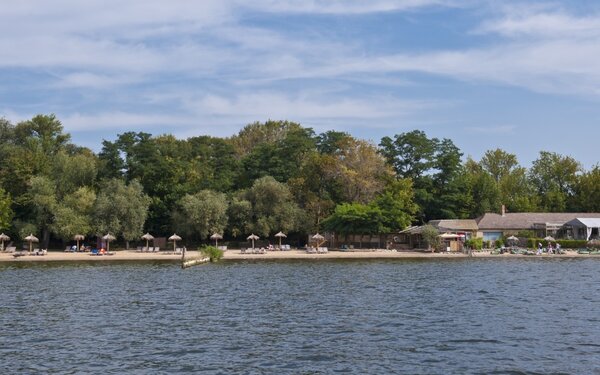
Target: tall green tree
273, 208
432, 165
121, 209
201, 214
587, 191
6, 212
554, 177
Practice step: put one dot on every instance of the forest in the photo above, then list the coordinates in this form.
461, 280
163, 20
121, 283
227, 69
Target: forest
270, 177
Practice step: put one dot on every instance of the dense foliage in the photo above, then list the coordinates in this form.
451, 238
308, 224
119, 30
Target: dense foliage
271, 176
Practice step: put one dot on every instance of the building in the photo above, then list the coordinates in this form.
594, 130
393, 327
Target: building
454, 232
492, 226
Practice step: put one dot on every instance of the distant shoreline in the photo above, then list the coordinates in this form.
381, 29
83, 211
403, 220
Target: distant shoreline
132, 255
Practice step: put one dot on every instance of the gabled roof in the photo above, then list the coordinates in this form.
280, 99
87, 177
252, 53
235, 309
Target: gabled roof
454, 225
585, 222
525, 220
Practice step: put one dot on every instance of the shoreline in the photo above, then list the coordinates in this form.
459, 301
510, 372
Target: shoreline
132, 255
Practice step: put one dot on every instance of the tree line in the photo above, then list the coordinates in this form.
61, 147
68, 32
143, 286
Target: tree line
272, 176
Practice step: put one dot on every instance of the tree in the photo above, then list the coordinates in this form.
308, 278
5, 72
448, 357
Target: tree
202, 213
396, 205
432, 165
358, 170
355, 218
431, 237
554, 177
499, 163
121, 209
240, 216
42, 198
587, 191
6, 212
74, 214
482, 188
273, 207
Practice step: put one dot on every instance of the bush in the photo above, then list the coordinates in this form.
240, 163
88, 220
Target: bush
212, 252
474, 243
498, 243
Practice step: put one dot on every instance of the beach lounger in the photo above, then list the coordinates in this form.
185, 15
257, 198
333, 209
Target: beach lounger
178, 250
11, 249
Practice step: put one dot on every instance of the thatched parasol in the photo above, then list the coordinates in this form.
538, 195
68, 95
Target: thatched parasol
549, 239
319, 239
3, 237
147, 237
174, 238
512, 239
216, 237
108, 237
280, 235
252, 237
78, 237
31, 239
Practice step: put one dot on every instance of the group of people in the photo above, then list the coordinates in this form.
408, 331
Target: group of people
550, 249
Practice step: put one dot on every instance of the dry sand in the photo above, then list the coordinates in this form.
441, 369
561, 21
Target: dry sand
125, 255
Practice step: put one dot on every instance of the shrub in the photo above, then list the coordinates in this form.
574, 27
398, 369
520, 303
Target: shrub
498, 243
212, 252
474, 243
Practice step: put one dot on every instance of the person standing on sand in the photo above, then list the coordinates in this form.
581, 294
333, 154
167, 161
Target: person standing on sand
539, 250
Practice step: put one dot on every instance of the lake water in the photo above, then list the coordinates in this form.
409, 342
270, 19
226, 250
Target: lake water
464, 316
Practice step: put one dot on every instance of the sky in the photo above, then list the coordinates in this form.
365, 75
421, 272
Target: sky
523, 76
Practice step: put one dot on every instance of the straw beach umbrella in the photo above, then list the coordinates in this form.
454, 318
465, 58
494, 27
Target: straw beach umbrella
253, 237
319, 239
174, 238
3, 237
31, 239
512, 239
147, 237
108, 237
216, 237
280, 235
78, 237
549, 239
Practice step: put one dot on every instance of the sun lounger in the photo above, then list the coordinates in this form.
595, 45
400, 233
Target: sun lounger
21, 253
178, 250
11, 249
583, 251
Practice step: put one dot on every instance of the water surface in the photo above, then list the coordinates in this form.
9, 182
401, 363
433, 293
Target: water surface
464, 316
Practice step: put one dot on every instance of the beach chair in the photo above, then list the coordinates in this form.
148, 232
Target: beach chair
178, 251
11, 249
94, 252
243, 250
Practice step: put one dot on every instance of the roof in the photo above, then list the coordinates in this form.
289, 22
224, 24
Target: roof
412, 230
585, 222
526, 220
453, 225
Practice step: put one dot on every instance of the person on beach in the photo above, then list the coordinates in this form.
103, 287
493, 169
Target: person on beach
539, 250
557, 248
550, 250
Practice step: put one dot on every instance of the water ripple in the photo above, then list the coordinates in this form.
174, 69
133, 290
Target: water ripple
472, 316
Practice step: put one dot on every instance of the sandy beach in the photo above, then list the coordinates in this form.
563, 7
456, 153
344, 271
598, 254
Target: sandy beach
129, 255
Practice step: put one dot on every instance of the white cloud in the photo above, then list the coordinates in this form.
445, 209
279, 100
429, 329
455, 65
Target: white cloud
347, 6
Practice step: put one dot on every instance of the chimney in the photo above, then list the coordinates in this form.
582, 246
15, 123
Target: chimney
503, 210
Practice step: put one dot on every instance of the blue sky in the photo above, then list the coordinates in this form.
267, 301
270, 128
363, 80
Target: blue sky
519, 75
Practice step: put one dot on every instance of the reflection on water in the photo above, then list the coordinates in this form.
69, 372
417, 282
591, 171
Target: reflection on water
393, 316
